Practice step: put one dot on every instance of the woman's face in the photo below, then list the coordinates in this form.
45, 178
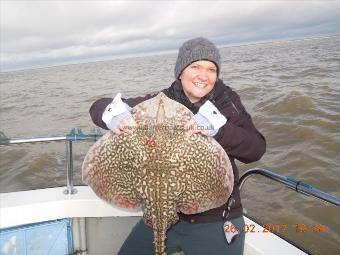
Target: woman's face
198, 79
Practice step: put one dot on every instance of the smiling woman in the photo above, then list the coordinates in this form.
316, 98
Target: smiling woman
214, 105
198, 79
197, 68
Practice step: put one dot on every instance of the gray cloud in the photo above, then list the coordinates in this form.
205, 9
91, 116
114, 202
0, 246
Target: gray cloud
37, 33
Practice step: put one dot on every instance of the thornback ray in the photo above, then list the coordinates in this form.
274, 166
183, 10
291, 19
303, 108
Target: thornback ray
159, 168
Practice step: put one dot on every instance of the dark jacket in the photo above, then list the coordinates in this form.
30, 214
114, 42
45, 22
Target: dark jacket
239, 137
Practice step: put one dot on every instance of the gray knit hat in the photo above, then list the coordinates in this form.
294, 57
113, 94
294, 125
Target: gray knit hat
196, 49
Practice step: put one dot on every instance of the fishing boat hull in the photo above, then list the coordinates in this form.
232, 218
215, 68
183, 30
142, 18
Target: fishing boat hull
99, 228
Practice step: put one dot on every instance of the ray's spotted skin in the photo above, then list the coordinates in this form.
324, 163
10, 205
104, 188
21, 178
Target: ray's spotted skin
158, 167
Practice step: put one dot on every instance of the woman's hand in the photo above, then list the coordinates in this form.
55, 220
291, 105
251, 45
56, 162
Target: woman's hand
207, 121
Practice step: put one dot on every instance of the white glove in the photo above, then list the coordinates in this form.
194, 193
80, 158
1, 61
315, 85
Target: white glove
209, 118
115, 112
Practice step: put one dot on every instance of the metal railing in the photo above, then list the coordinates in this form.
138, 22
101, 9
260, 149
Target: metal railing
291, 183
75, 135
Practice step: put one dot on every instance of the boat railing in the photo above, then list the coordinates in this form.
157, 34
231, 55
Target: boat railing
297, 185
75, 135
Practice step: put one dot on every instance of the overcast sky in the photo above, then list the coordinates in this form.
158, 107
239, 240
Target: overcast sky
47, 33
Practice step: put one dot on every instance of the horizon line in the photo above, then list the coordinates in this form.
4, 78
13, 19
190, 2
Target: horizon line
166, 52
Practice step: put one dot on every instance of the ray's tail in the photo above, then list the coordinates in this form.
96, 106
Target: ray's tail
159, 241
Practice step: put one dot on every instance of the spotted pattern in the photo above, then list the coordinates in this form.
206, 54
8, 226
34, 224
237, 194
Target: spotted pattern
159, 168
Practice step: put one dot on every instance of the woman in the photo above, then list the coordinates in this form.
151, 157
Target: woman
198, 87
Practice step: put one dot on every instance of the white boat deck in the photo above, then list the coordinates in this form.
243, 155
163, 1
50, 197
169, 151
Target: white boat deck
25, 207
